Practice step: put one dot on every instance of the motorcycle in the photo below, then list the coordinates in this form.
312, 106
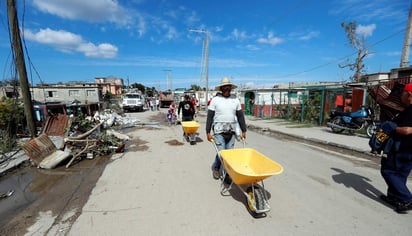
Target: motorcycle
353, 121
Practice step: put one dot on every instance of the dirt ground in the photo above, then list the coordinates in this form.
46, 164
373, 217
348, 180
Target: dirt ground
58, 191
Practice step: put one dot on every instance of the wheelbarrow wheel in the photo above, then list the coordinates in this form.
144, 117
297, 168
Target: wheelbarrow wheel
192, 142
256, 198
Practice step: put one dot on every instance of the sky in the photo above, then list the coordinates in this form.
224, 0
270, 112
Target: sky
161, 43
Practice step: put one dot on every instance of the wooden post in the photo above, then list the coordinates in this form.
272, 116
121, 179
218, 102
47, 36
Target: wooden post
21, 66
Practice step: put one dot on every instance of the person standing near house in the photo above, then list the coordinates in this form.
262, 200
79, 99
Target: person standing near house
223, 116
396, 167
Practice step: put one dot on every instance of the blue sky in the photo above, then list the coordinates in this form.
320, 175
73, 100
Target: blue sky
255, 43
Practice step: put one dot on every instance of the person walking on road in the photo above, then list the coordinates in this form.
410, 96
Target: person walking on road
171, 114
224, 115
396, 167
187, 108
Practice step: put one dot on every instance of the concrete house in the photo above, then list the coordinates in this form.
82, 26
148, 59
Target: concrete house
66, 99
112, 85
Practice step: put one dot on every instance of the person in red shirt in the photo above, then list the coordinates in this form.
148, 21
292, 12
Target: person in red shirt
193, 100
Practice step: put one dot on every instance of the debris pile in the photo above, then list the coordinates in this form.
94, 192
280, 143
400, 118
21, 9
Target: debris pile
84, 137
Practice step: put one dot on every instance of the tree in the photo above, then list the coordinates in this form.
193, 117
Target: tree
195, 87
140, 87
150, 92
10, 82
358, 42
11, 114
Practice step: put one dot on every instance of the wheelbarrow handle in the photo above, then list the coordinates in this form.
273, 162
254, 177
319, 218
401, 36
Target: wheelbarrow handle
243, 142
214, 145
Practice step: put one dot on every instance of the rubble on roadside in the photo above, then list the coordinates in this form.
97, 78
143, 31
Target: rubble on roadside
84, 138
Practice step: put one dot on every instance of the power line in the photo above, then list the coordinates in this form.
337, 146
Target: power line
345, 57
288, 12
301, 4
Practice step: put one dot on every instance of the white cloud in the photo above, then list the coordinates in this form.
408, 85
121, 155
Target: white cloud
171, 33
270, 39
218, 28
88, 10
104, 50
239, 35
393, 53
141, 26
310, 35
365, 30
252, 47
366, 10
192, 18
69, 42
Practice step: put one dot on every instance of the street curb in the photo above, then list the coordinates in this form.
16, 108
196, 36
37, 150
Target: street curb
314, 140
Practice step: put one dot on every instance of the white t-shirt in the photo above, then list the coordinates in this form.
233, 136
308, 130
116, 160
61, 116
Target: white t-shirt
225, 113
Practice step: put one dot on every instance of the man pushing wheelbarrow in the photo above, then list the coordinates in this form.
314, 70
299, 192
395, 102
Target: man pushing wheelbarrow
244, 167
189, 125
224, 115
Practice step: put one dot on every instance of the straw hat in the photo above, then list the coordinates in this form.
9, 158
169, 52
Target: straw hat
225, 81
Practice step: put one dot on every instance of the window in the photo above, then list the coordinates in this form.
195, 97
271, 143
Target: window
131, 96
74, 93
51, 94
91, 93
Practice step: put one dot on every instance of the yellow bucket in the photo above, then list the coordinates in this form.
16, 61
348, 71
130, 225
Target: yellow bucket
190, 127
248, 166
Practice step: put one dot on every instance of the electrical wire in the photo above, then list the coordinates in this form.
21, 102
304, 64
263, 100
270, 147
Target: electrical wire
26, 50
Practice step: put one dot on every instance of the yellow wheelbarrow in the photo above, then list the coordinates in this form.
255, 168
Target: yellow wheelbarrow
247, 168
190, 131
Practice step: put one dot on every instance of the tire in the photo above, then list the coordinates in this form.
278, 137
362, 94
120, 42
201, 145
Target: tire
256, 197
192, 142
337, 121
370, 129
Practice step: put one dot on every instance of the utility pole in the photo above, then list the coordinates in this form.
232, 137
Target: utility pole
407, 41
21, 66
206, 60
168, 79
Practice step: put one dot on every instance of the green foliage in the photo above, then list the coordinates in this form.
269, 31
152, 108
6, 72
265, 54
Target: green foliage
312, 107
7, 142
195, 87
140, 87
108, 96
79, 123
11, 114
295, 114
10, 82
151, 92
9, 111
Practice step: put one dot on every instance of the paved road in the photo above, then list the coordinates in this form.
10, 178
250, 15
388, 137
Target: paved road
163, 186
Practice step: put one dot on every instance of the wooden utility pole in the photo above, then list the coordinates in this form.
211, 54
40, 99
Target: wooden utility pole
21, 66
